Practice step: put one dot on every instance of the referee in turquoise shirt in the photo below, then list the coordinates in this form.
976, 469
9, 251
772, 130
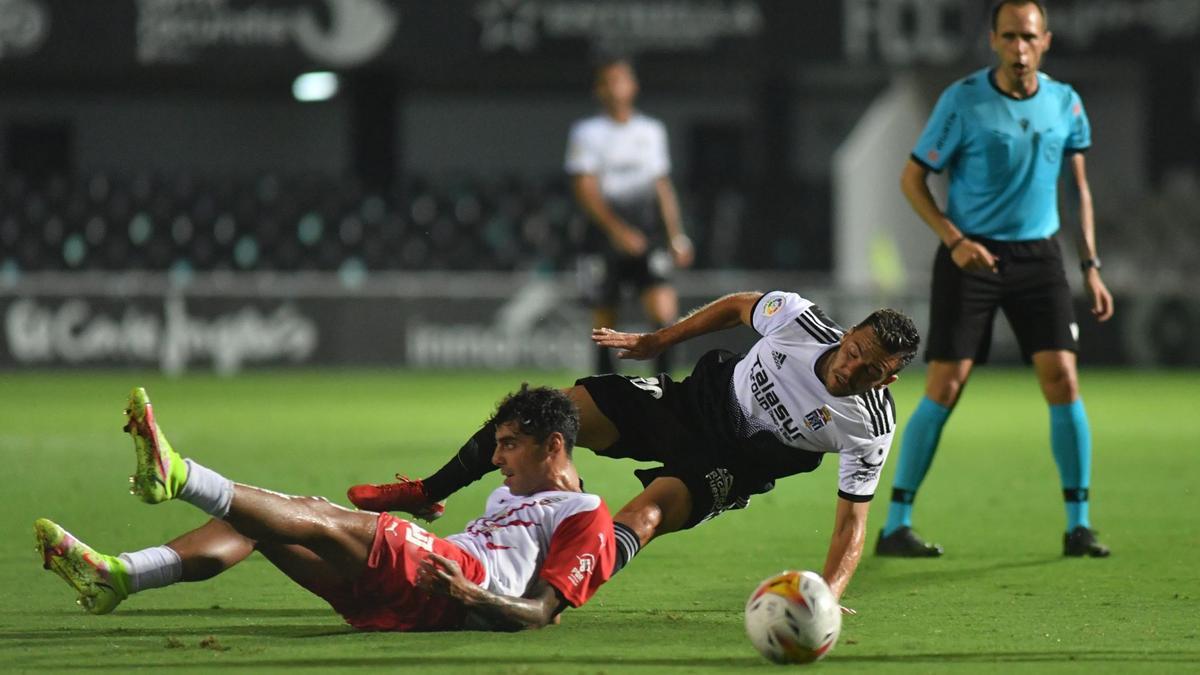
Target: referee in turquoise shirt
1003, 133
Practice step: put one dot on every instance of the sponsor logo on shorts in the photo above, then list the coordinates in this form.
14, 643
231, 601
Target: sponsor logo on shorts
818, 418
720, 484
587, 563
772, 306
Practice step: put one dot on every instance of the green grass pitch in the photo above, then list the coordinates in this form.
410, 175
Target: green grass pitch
1002, 598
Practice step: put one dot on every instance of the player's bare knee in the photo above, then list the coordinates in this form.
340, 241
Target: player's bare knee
945, 380
1060, 387
944, 393
321, 518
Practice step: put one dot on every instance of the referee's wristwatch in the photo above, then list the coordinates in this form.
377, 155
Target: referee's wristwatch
1090, 263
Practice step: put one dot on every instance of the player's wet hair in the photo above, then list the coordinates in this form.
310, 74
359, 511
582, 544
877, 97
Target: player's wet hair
539, 412
896, 333
1020, 3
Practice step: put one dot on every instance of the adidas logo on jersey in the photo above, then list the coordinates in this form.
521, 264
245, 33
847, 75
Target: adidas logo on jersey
778, 358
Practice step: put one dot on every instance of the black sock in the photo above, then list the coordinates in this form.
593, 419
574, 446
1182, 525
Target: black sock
628, 545
604, 361
473, 461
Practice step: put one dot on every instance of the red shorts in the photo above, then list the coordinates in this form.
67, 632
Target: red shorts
386, 596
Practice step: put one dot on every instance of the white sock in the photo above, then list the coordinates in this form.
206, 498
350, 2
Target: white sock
207, 490
152, 567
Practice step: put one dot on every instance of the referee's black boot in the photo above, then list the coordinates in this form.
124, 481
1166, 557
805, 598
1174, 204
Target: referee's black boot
1081, 541
906, 543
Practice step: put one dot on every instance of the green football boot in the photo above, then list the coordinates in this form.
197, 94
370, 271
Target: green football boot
161, 472
101, 580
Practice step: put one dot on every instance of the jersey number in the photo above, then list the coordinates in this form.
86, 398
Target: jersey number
419, 538
649, 385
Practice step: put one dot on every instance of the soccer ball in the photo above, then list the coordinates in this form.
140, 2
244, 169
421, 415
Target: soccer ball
793, 617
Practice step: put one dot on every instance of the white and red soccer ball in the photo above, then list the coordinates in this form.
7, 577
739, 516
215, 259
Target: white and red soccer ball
793, 617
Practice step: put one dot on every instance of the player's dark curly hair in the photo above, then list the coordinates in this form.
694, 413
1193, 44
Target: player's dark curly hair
539, 412
896, 333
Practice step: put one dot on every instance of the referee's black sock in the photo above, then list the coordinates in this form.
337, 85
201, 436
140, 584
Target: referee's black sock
628, 545
473, 461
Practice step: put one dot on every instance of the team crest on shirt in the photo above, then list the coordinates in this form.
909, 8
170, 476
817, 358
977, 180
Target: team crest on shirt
772, 306
818, 418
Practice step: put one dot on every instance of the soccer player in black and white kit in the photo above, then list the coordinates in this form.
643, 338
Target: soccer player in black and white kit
620, 167
732, 428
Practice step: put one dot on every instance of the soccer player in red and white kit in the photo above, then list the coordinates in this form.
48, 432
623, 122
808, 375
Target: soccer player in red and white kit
541, 545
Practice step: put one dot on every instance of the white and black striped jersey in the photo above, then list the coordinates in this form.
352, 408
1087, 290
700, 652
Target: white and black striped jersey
778, 413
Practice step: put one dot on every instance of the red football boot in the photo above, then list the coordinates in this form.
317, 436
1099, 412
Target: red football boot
406, 495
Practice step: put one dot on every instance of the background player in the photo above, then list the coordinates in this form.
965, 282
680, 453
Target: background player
518, 566
732, 428
619, 164
1003, 132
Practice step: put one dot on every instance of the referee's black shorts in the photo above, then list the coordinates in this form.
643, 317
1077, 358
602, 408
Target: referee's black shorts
652, 416
1030, 288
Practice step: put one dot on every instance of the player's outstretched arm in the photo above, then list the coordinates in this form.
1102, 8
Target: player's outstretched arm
487, 610
726, 312
846, 545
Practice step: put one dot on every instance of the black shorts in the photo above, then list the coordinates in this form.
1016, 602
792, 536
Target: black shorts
1030, 287
602, 276
652, 415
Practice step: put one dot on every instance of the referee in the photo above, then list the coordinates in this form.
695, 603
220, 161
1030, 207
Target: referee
619, 165
1003, 133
